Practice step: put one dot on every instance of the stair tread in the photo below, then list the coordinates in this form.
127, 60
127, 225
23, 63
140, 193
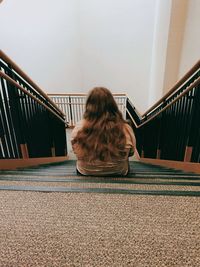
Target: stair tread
101, 190
62, 177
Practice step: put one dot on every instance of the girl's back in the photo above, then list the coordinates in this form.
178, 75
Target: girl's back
102, 141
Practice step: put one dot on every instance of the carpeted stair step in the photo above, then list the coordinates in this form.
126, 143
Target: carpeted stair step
62, 177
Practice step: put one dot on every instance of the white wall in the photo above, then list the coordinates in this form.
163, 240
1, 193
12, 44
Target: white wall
191, 42
74, 45
175, 43
116, 45
42, 37
159, 50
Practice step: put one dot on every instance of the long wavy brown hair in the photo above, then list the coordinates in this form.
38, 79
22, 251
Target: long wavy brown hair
102, 134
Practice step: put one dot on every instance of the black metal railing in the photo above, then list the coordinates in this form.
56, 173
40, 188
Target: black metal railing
170, 130
31, 125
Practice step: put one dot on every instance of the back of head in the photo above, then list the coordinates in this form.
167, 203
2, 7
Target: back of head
100, 103
102, 136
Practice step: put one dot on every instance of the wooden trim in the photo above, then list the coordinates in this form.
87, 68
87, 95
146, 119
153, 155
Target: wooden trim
7, 78
178, 165
175, 87
27, 78
10, 164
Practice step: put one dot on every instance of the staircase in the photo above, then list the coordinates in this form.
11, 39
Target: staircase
143, 179
149, 218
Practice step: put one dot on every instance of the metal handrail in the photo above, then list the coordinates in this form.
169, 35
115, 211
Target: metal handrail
195, 83
7, 78
162, 104
174, 88
19, 71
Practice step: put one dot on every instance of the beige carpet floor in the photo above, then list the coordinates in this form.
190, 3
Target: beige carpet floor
81, 229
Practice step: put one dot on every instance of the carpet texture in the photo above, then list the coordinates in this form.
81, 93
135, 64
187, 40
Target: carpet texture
107, 228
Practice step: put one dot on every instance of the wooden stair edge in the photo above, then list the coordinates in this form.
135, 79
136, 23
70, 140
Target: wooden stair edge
11, 164
178, 165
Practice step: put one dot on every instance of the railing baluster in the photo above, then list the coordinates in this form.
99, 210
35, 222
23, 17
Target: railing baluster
73, 106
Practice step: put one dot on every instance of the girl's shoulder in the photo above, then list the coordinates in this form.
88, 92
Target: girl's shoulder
80, 123
77, 127
129, 133
128, 128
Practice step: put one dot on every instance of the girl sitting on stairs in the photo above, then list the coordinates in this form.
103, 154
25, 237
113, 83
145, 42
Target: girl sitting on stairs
103, 141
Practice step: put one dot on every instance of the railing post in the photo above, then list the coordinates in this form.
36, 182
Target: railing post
24, 151
142, 153
158, 153
193, 136
70, 110
161, 131
188, 153
53, 151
